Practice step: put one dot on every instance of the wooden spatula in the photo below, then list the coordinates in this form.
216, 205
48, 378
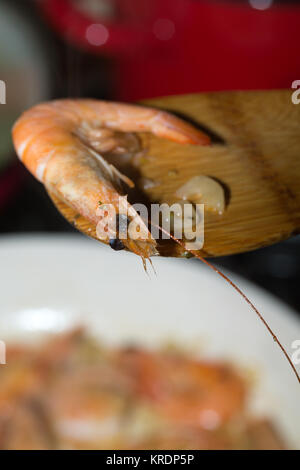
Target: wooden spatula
255, 154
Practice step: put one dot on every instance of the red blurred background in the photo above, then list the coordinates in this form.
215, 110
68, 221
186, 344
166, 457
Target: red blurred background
162, 47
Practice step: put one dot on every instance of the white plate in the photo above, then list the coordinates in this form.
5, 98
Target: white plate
49, 284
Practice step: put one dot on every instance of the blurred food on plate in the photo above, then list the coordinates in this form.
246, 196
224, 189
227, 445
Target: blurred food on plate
24, 75
72, 393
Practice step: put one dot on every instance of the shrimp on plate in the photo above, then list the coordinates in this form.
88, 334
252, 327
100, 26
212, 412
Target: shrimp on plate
186, 391
71, 392
64, 143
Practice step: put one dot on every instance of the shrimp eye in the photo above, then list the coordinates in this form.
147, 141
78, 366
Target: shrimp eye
116, 244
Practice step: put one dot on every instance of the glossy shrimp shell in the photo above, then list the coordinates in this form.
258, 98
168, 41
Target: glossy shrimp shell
47, 141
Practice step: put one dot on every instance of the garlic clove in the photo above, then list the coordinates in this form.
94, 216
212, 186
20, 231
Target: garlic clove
202, 189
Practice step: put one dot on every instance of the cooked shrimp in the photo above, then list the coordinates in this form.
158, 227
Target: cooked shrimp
62, 144
187, 391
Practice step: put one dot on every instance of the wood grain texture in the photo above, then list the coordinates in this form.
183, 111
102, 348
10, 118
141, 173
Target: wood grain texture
255, 154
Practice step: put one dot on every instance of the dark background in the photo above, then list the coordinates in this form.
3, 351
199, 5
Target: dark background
77, 71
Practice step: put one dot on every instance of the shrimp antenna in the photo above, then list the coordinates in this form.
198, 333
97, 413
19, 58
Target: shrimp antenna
238, 290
